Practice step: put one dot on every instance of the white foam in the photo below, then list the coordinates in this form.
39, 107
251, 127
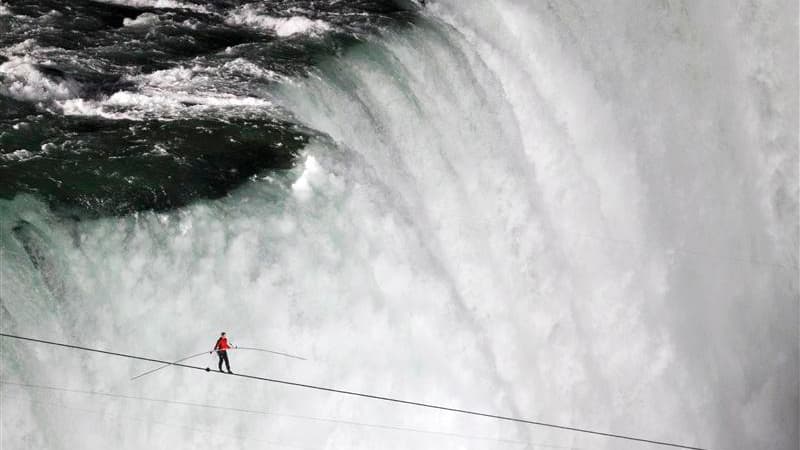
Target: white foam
171, 78
17, 155
160, 150
245, 67
315, 178
172, 93
21, 49
23, 81
181, 98
191, 23
302, 187
143, 20
250, 16
298, 25
161, 4
81, 107
190, 78
140, 106
4, 11
126, 98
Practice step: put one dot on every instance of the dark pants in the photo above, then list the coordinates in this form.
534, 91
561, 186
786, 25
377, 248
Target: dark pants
223, 356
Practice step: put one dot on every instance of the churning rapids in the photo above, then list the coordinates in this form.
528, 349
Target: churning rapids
578, 212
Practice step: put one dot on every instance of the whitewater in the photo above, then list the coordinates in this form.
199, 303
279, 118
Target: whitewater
581, 213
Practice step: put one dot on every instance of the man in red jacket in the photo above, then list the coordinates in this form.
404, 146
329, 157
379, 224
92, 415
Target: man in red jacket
222, 347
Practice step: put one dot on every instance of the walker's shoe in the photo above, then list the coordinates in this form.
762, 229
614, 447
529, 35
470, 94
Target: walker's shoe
230, 372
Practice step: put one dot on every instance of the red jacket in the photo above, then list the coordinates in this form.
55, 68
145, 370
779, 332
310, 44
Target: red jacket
222, 344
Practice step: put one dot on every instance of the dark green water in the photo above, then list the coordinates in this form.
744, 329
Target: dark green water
108, 108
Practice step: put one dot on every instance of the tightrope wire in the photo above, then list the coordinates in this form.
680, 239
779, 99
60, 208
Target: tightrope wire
363, 395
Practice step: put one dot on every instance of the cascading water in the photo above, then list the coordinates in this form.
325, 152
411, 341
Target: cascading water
584, 214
